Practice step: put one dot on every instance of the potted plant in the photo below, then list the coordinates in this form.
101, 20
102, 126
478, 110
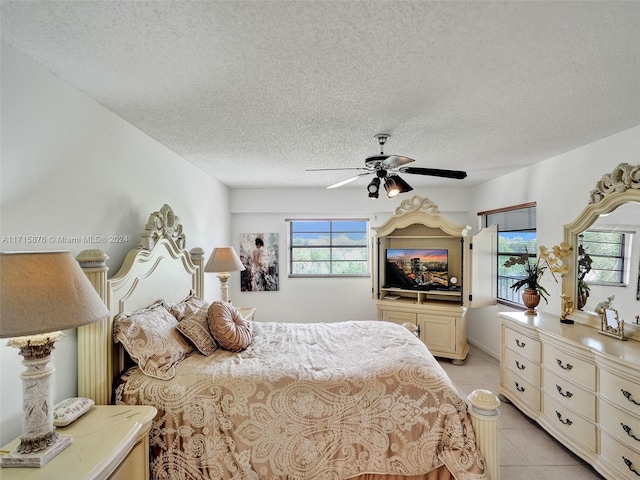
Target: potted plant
584, 267
534, 269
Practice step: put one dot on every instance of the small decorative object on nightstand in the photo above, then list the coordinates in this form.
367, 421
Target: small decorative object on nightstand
611, 324
41, 292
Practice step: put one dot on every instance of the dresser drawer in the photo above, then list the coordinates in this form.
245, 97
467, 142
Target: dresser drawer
522, 366
570, 395
525, 346
570, 423
398, 317
620, 391
570, 367
521, 390
620, 424
621, 457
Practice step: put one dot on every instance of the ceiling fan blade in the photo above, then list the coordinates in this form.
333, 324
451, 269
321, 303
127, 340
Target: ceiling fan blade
348, 180
331, 169
396, 161
435, 172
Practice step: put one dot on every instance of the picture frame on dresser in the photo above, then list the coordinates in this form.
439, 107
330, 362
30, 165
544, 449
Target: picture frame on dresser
611, 324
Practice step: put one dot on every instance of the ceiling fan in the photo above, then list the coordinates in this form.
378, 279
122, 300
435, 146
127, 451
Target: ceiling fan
385, 167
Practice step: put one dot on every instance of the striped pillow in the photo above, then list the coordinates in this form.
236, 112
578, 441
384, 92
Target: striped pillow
227, 326
196, 328
186, 307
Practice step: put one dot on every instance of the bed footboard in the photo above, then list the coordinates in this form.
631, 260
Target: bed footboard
484, 413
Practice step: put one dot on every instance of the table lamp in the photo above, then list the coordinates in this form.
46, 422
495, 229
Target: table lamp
40, 294
224, 260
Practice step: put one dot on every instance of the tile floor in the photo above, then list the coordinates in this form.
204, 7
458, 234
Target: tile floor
526, 451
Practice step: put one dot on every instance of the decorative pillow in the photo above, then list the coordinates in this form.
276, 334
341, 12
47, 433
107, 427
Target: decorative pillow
68, 410
186, 307
151, 339
196, 328
228, 327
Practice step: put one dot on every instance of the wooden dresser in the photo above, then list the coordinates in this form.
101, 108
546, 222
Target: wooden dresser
580, 386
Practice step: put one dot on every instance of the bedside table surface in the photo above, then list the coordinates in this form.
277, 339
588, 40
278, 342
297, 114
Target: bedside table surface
102, 438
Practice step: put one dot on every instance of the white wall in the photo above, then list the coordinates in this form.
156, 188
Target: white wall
71, 168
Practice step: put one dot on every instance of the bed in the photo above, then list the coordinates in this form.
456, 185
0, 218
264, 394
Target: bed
353, 399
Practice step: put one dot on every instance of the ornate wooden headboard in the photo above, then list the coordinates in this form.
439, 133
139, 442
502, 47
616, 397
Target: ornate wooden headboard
159, 268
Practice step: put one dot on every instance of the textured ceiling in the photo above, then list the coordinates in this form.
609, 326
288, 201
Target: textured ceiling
256, 92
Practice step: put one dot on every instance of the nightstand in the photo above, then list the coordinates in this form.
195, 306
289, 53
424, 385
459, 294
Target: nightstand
109, 442
248, 313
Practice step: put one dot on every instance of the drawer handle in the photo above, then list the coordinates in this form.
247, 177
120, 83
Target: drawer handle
629, 465
627, 395
627, 430
519, 388
568, 366
566, 422
566, 395
520, 344
520, 366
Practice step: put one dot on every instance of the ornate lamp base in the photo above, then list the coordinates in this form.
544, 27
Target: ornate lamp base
224, 285
39, 458
39, 442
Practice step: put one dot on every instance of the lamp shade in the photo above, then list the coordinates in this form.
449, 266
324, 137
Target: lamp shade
43, 292
224, 259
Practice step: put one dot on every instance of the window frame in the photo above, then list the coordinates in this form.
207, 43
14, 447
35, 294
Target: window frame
625, 246
331, 246
516, 299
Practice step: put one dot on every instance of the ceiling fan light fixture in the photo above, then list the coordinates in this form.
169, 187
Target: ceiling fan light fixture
374, 187
395, 185
391, 187
381, 165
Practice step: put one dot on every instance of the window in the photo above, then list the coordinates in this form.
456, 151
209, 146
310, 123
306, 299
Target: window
516, 235
607, 251
329, 247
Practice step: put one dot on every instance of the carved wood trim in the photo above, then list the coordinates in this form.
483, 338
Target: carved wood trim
623, 177
416, 203
163, 224
423, 211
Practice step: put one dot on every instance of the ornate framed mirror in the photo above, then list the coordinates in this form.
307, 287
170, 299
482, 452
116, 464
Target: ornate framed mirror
615, 189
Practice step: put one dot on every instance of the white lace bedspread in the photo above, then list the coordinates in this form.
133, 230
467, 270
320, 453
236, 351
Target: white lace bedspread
308, 401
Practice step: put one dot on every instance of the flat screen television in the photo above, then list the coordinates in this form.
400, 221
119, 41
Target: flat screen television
417, 268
